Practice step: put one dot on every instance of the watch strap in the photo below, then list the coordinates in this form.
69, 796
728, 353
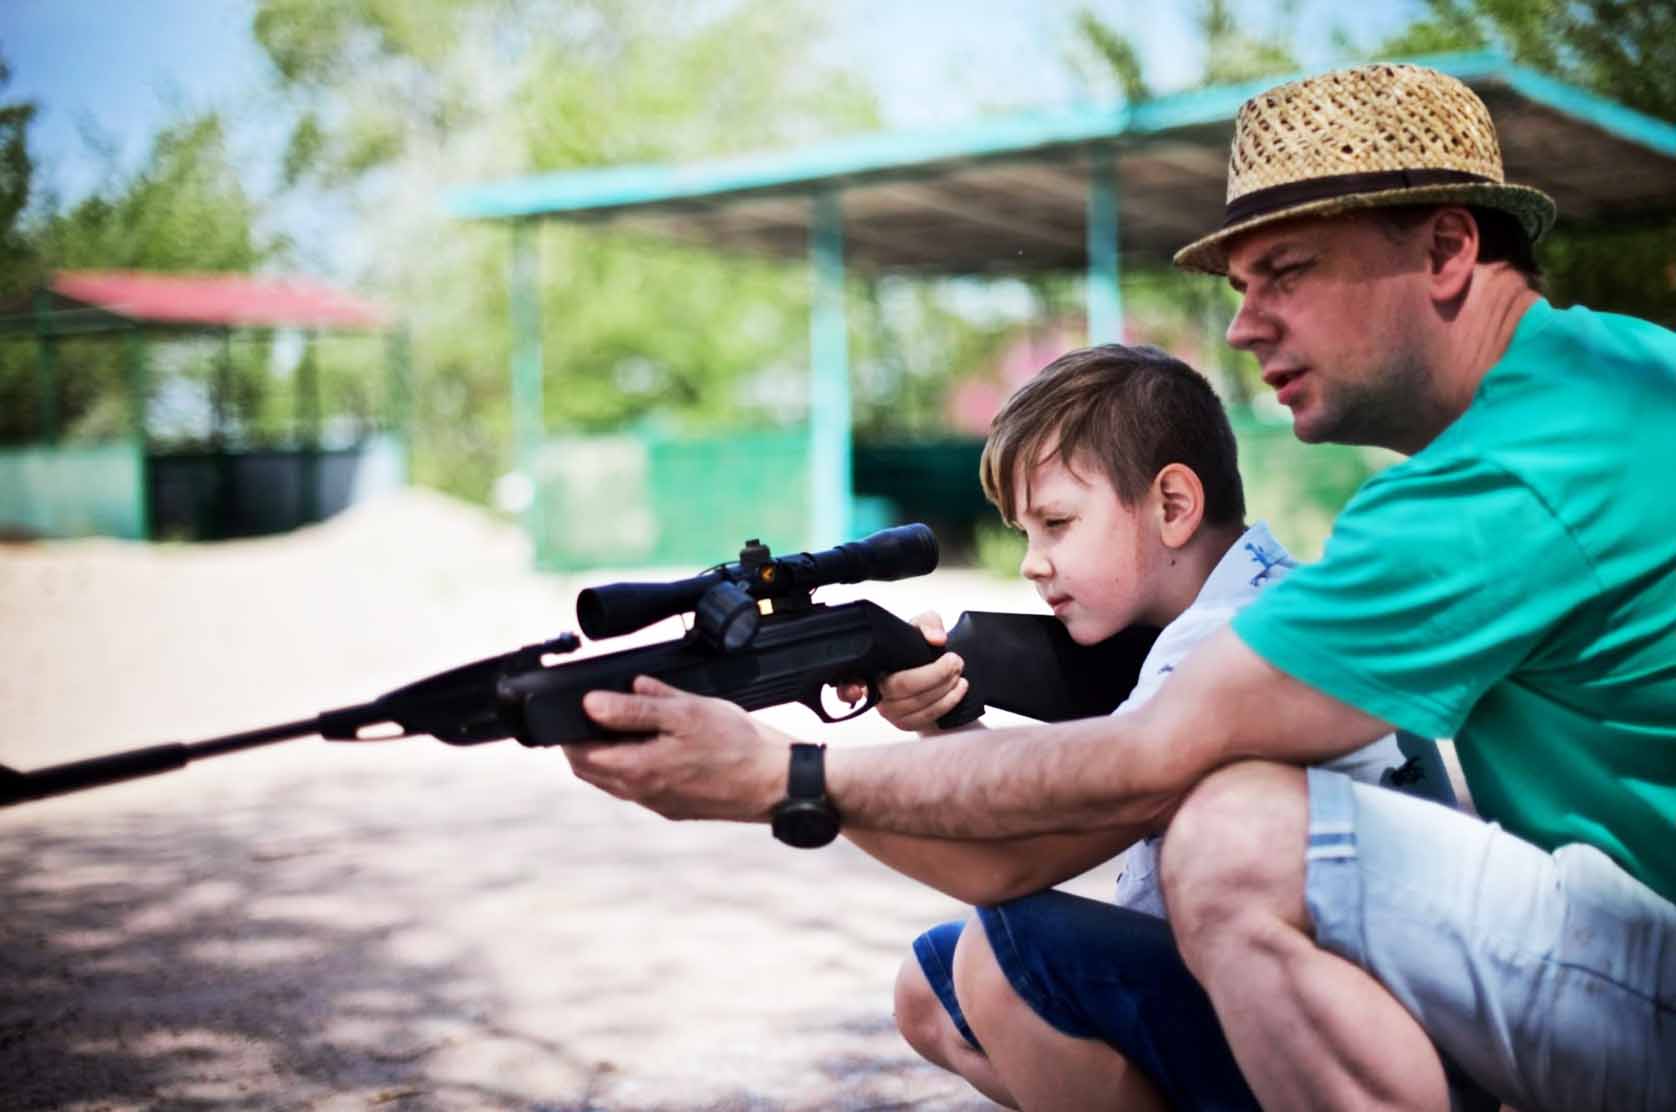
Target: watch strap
806, 777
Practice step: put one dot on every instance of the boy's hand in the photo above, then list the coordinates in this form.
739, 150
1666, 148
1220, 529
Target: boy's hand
915, 698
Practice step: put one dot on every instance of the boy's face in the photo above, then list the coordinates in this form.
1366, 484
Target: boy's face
1093, 560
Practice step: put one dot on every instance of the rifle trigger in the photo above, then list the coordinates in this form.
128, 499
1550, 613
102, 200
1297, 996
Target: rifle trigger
816, 702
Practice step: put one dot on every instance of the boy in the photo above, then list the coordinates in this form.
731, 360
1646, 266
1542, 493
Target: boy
1120, 467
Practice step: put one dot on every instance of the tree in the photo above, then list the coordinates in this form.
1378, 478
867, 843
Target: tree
395, 102
1622, 50
186, 208
17, 170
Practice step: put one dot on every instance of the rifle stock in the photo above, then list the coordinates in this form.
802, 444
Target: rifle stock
1028, 664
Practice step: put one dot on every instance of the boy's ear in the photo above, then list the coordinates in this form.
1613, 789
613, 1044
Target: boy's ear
1179, 500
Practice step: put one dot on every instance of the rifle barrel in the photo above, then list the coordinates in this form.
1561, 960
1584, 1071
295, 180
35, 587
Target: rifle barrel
21, 787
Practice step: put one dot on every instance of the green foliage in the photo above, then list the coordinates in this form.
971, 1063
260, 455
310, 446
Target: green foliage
1234, 53
185, 209
395, 102
1118, 53
999, 548
1622, 50
17, 171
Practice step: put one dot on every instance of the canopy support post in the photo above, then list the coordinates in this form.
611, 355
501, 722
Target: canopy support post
1105, 299
829, 393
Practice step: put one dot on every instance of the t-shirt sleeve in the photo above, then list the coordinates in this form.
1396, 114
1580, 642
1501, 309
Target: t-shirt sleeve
1436, 583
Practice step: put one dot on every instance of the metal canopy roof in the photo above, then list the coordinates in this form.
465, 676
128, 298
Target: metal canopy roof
1012, 193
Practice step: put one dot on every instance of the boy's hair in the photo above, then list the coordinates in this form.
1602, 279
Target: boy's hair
1131, 411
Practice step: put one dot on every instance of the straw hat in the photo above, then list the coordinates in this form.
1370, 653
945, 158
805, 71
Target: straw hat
1383, 134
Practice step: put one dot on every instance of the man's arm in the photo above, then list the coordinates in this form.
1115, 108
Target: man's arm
990, 871
1123, 774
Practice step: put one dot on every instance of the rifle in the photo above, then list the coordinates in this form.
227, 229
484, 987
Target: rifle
757, 639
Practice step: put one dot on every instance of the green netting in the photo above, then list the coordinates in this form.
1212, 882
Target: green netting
74, 490
615, 501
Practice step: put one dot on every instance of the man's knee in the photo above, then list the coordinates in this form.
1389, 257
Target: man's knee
1234, 853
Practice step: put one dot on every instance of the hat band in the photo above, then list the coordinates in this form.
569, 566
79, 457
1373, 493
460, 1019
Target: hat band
1261, 202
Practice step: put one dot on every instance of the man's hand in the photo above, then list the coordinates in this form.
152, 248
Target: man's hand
915, 698
703, 758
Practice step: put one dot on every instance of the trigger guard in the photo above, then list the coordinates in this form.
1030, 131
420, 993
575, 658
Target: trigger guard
813, 702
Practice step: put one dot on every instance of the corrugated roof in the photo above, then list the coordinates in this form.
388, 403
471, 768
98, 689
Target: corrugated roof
1010, 193
225, 300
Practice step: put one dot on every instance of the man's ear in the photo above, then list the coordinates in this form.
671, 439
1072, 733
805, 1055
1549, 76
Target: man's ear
1452, 246
1179, 501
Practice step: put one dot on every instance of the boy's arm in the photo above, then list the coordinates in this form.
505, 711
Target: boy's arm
988, 872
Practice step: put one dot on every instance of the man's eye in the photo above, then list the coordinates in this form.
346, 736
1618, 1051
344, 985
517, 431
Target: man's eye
1287, 275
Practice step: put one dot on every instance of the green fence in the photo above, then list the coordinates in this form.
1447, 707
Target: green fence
615, 501
650, 499
73, 490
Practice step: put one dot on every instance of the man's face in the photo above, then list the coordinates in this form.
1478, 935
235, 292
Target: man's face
1335, 311
1093, 560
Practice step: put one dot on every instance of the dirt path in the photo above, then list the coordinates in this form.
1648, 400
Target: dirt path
403, 925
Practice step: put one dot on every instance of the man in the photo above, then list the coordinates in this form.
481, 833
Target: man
1511, 586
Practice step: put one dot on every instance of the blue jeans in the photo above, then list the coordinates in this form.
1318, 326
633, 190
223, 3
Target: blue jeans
1093, 970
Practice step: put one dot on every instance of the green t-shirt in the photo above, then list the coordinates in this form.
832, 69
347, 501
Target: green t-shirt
1513, 586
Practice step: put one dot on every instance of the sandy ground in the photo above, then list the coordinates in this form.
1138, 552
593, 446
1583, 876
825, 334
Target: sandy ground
323, 925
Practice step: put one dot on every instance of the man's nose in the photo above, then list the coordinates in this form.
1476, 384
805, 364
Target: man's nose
1250, 327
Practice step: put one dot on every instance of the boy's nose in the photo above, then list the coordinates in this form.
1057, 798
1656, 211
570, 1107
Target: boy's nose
1034, 565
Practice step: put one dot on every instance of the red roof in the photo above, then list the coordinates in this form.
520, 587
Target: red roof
218, 299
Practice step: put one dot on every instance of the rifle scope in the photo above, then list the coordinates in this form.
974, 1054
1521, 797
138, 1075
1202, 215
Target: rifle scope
619, 608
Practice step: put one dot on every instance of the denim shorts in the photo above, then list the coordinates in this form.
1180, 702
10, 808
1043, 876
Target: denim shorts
1097, 971
1549, 978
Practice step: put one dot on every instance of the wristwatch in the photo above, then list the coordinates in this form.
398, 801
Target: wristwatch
806, 818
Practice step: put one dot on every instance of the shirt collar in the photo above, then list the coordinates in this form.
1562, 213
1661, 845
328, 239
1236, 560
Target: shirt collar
1250, 564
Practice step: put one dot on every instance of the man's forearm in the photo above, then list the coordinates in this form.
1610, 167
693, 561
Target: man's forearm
1099, 774
990, 871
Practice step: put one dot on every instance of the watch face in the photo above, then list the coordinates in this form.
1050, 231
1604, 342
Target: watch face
805, 823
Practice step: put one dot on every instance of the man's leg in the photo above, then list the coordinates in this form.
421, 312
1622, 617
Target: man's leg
1040, 1066
1308, 1028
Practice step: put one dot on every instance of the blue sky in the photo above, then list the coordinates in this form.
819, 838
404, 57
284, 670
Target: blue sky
120, 69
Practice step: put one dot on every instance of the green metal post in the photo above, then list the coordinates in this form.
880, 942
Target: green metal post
399, 372
222, 395
46, 371
526, 366
308, 433
134, 378
225, 505
829, 392
1105, 300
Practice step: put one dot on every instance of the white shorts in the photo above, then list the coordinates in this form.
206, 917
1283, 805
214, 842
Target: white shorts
1549, 979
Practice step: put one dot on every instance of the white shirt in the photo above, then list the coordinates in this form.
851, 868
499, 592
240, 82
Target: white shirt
1254, 562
